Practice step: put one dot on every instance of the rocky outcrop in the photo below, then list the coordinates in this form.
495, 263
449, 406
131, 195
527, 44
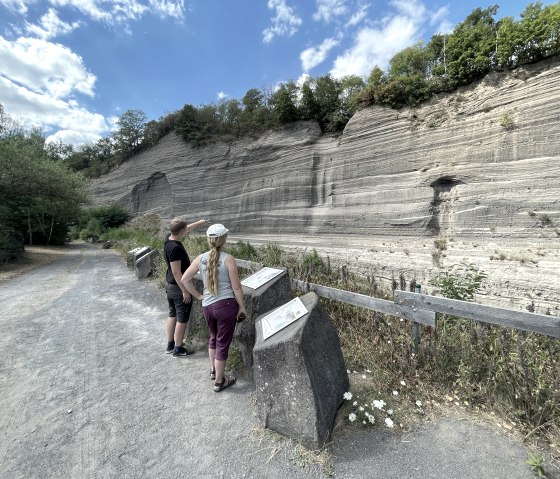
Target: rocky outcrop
480, 164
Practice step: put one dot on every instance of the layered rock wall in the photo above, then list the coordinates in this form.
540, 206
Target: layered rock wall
483, 160
475, 173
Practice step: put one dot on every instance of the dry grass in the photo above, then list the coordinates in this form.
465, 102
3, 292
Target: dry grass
33, 257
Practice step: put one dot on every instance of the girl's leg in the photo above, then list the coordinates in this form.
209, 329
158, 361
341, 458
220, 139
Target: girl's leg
226, 318
212, 356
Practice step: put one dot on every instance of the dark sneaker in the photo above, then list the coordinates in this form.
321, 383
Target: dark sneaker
170, 347
183, 351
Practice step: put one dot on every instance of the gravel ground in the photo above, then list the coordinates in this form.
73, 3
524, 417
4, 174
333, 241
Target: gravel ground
86, 391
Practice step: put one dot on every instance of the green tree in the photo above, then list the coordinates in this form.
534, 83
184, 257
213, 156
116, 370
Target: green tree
283, 102
308, 107
471, 47
256, 115
538, 33
411, 61
352, 88
39, 196
131, 125
327, 95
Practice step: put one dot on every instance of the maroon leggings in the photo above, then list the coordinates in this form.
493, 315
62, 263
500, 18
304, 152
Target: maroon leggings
221, 318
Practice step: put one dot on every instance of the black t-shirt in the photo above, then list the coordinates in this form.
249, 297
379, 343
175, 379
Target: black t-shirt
175, 251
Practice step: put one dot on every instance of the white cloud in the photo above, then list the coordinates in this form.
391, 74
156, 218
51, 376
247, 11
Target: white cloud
44, 67
118, 12
73, 137
377, 45
285, 23
50, 26
358, 15
313, 56
221, 95
38, 84
302, 79
329, 9
410, 8
46, 111
169, 8
440, 18
90, 8
15, 6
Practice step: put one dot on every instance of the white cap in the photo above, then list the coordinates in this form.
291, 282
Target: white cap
217, 230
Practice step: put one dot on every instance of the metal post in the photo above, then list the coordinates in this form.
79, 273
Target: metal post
416, 326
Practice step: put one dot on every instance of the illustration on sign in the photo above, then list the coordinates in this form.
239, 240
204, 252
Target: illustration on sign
261, 277
282, 317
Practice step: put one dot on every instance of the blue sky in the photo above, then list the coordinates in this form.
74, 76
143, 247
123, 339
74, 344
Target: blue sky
73, 66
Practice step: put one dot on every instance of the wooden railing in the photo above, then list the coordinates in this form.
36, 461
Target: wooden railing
422, 308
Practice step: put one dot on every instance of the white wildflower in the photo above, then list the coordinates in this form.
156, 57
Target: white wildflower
379, 404
390, 412
364, 376
419, 403
395, 393
355, 403
361, 408
352, 417
403, 383
347, 396
371, 418
368, 371
363, 422
388, 422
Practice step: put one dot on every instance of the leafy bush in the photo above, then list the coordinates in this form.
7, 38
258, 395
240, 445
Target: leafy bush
242, 250
459, 282
111, 216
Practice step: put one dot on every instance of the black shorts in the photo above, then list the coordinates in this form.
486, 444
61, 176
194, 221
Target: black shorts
177, 308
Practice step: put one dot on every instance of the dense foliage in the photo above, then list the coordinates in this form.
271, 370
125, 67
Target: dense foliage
39, 194
477, 46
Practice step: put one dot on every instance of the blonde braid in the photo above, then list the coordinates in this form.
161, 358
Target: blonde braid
212, 268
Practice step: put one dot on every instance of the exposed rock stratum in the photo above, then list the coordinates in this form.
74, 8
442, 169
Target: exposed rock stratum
471, 176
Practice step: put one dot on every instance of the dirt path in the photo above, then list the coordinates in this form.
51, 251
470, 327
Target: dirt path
87, 392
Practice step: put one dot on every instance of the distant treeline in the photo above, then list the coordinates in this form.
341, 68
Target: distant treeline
477, 46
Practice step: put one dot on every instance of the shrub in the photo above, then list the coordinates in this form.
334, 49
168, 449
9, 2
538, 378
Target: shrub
459, 282
506, 120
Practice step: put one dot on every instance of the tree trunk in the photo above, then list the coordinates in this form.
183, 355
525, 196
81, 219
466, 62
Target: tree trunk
29, 227
50, 230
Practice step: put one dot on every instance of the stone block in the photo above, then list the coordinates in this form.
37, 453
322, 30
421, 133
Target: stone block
130, 257
134, 255
269, 296
145, 264
300, 376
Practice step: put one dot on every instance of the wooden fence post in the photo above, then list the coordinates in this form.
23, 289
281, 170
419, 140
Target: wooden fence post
416, 326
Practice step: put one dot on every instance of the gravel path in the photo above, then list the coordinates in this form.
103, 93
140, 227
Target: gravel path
87, 392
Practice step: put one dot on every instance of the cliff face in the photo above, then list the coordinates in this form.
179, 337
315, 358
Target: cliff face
481, 164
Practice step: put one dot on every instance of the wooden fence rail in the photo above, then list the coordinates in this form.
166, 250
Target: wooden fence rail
509, 318
421, 308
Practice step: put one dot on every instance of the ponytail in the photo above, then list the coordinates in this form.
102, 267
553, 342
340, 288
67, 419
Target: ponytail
212, 268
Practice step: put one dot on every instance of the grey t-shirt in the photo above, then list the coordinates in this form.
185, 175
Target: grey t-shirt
224, 284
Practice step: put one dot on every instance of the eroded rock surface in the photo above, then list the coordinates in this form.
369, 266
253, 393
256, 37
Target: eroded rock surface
479, 166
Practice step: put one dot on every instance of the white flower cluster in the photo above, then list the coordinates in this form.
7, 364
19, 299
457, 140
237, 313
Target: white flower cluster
362, 413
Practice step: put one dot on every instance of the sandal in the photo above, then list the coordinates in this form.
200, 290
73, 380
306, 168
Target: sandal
226, 383
213, 374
